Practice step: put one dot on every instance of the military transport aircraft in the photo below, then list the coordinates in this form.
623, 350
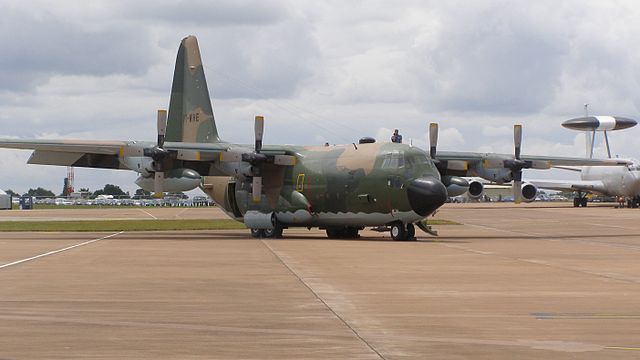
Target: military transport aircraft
341, 188
621, 181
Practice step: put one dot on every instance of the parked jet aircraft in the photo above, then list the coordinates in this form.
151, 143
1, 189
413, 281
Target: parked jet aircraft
617, 181
339, 188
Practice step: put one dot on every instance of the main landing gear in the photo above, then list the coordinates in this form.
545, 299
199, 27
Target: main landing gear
343, 232
275, 233
580, 200
401, 232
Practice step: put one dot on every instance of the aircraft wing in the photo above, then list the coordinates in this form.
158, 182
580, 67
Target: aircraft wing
73, 146
463, 161
107, 154
79, 153
593, 186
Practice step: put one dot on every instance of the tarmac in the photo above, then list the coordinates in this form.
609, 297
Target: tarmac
513, 282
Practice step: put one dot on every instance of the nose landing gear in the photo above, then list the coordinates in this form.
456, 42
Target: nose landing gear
401, 232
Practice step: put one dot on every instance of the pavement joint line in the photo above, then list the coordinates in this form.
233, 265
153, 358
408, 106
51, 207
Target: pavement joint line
612, 276
321, 299
53, 252
555, 238
622, 348
148, 213
180, 213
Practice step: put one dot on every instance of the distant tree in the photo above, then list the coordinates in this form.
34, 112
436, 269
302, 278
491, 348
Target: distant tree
141, 193
11, 192
84, 190
110, 189
40, 192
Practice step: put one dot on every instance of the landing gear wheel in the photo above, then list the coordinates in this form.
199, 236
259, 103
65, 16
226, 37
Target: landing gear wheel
257, 233
398, 231
350, 233
333, 233
411, 232
275, 233
580, 202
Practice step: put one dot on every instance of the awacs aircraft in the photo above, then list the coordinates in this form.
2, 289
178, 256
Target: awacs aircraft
503, 168
618, 181
338, 188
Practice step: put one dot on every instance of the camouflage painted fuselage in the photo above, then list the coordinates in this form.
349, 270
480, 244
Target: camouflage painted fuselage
343, 185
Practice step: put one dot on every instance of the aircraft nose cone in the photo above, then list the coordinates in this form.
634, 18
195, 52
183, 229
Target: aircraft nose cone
426, 195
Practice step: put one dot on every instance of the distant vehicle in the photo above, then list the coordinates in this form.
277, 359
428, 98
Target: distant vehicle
26, 202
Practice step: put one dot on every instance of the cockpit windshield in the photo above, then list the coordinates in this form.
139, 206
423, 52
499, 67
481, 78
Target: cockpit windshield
393, 160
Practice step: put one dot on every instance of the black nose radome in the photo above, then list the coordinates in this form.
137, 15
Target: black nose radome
426, 195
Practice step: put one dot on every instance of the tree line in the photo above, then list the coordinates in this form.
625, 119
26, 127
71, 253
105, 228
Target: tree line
108, 189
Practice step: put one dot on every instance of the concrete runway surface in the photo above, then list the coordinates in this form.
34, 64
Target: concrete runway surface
513, 282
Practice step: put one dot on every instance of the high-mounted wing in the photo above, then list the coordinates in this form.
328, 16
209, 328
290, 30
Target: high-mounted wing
594, 186
501, 168
466, 160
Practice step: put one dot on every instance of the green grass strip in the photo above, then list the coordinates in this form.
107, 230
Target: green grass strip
442, 222
120, 225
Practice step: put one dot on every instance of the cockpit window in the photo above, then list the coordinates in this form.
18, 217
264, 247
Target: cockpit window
393, 160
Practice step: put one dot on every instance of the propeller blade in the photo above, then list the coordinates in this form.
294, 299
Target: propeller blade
517, 139
256, 188
157, 184
517, 190
517, 185
433, 139
162, 126
259, 131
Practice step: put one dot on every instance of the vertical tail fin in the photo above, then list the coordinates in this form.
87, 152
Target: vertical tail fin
190, 113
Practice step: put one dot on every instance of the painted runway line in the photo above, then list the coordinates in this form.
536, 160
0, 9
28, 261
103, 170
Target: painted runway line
53, 252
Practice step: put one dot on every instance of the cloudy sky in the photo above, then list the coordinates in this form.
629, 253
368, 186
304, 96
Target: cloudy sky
318, 71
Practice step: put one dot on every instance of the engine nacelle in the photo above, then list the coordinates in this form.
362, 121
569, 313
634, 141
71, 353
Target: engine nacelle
139, 164
528, 192
476, 189
455, 185
498, 175
174, 181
